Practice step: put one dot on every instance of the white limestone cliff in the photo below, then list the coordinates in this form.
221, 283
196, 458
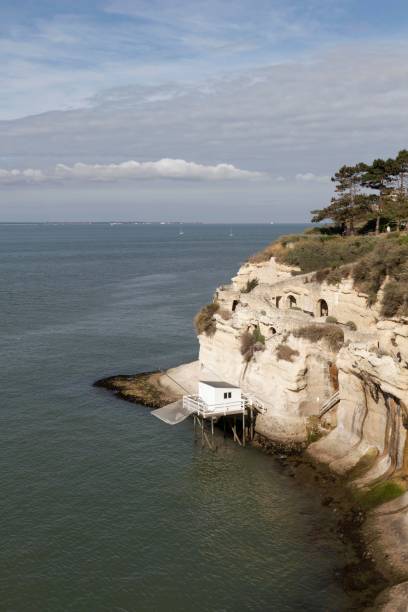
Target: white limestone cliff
365, 435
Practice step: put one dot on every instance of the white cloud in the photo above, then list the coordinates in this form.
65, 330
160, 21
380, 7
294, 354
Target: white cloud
130, 170
29, 175
309, 177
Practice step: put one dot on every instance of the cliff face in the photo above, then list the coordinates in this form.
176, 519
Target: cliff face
297, 361
294, 369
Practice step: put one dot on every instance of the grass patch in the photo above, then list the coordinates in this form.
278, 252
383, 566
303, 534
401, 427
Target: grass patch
333, 334
204, 320
286, 353
380, 494
312, 253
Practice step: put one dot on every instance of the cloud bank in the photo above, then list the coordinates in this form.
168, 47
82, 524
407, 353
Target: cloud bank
162, 169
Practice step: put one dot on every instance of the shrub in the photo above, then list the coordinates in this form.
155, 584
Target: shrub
204, 320
331, 319
351, 325
320, 275
252, 342
334, 277
225, 314
333, 334
250, 285
395, 299
286, 353
388, 259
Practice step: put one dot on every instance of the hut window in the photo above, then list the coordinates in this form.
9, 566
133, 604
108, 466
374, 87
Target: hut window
227, 395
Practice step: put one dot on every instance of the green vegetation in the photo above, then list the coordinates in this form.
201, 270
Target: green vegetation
331, 319
368, 260
314, 432
332, 334
389, 259
286, 353
395, 299
380, 493
204, 320
252, 342
351, 325
369, 195
311, 253
250, 285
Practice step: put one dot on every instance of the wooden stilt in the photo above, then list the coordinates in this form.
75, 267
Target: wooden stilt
236, 437
251, 433
210, 446
243, 429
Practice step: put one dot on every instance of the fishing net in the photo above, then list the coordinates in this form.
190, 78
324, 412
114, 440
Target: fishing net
172, 414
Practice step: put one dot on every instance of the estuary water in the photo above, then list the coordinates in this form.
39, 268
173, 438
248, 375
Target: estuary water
104, 507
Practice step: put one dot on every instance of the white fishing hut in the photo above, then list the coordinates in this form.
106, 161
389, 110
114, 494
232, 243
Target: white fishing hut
215, 399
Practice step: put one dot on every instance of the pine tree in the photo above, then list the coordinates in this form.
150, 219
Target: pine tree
379, 177
349, 206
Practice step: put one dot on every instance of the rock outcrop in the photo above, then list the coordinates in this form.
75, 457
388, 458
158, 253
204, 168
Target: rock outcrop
296, 363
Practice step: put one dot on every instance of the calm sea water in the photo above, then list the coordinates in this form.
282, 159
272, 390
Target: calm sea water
103, 507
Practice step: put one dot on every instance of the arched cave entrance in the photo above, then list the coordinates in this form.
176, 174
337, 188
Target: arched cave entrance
234, 304
322, 308
272, 331
278, 299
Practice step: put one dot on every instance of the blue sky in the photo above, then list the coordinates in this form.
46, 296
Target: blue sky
261, 101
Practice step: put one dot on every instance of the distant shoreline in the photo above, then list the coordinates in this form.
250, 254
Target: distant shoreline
227, 223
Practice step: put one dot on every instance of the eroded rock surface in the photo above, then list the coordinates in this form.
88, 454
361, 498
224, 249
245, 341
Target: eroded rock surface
293, 370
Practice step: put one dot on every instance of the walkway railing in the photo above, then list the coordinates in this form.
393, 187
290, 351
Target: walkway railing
196, 405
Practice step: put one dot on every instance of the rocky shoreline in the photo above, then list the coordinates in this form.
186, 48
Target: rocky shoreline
140, 388
367, 577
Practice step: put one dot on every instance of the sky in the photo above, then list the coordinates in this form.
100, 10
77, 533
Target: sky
214, 111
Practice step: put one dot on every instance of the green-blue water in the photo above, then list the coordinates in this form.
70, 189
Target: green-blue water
104, 507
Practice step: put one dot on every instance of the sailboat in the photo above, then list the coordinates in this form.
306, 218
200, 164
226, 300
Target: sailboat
181, 233
231, 234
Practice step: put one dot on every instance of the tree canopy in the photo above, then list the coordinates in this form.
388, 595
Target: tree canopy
367, 194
